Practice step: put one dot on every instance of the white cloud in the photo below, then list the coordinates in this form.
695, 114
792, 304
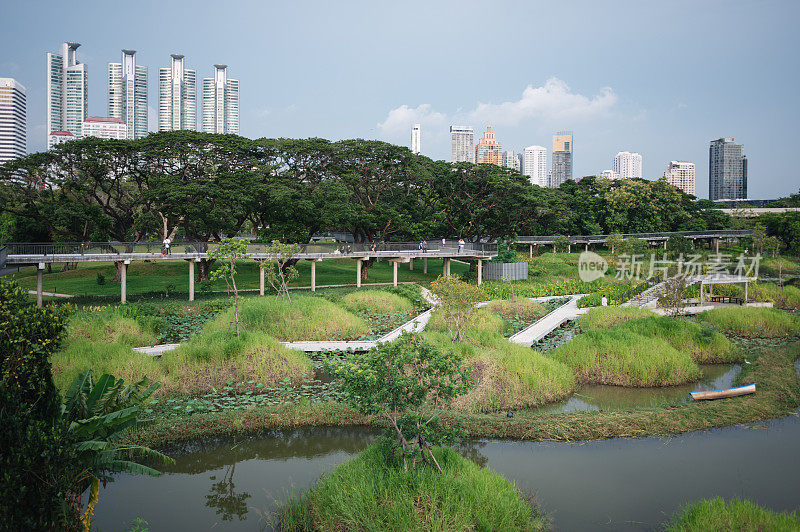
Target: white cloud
554, 101
399, 121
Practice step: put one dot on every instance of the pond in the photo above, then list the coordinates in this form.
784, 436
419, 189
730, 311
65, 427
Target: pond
633, 484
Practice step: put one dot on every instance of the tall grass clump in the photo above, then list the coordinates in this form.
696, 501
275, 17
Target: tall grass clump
376, 301
517, 308
304, 318
607, 317
371, 492
751, 322
480, 321
787, 297
624, 358
737, 515
507, 376
702, 343
211, 360
111, 327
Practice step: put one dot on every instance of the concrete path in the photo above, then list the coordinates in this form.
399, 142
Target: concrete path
543, 327
51, 294
156, 350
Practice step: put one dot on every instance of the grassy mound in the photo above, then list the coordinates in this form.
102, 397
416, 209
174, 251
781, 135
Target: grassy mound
371, 492
740, 515
109, 327
607, 317
787, 297
207, 361
480, 322
518, 309
305, 318
508, 376
376, 301
751, 322
702, 343
624, 358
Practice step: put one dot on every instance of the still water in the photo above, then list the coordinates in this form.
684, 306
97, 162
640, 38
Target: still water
628, 484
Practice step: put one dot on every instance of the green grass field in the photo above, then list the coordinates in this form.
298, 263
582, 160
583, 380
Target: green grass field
737, 515
174, 276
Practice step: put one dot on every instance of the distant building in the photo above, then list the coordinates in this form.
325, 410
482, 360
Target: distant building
67, 91
727, 170
177, 96
535, 165
462, 144
488, 150
681, 175
562, 158
221, 103
13, 120
628, 165
510, 160
105, 127
127, 94
416, 138
59, 137
609, 174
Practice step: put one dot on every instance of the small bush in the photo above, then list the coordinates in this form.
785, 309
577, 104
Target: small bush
376, 302
371, 493
751, 322
738, 515
100, 279
624, 358
607, 317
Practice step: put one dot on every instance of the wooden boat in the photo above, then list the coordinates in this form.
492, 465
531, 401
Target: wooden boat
721, 394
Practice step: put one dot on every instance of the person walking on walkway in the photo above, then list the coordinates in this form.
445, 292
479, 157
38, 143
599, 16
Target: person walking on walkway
167, 242
460, 245
444, 243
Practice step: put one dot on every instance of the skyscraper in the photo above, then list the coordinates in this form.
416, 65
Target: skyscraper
562, 158
627, 165
177, 96
488, 150
462, 144
681, 175
510, 160
127, 94
416, 138
13, 120
727, 170
67, 91
221, 102
535, 166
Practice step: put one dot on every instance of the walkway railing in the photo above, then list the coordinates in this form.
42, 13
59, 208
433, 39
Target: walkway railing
584, 239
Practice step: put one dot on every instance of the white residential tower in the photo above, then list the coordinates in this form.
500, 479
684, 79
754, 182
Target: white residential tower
535, 165
628, 165
681, 175
67, 92
221, 103
13, 120
127, 94
177, 96
462, 144
416, 138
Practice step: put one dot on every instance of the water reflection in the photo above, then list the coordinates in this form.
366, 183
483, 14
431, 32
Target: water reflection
224, 499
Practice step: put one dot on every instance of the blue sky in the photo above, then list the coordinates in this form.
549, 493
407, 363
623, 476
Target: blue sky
661, 78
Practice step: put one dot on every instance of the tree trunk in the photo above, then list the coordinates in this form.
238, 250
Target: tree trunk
204, 268
366, 264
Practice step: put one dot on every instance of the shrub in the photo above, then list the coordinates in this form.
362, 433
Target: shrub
376, 301
305, 318
517, 308
110, 326
457, 303
751, 322
100, 279
479, 321
738, 515
380, 496
787, 297
624, 358
607, 317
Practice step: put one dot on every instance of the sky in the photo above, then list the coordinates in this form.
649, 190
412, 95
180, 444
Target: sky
661, 78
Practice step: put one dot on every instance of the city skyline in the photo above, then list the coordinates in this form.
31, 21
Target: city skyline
315, 84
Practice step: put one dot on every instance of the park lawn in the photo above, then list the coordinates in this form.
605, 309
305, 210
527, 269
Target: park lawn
174, 276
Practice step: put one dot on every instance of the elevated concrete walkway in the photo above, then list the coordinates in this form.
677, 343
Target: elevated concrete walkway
546, 325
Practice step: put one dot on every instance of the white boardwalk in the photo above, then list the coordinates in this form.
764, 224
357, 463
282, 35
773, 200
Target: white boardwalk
543, 327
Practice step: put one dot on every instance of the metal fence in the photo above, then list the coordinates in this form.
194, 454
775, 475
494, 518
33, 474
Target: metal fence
582, 239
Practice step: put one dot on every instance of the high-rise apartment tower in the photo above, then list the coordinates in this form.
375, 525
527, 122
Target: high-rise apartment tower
535, 165
727, 170
221, 103
462, 144
681, 175
127, 94
177, 96
562, 158
67, 91
627, 165
13, 120
416, 138
488, 150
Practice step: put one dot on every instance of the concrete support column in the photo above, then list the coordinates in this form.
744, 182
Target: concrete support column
123, 282
425, 265
260, 279
665, 244
394, 269
554, 248
716, 244
587, 246
745, 291
313, 276
530, 251
480, 272
358, 273
411, 265
569, 247
701, 292
39, 282
191, 280
446, 267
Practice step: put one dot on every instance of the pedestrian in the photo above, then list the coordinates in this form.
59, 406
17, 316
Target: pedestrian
460, 245
424, 246
167, 242
604, 301
444, 243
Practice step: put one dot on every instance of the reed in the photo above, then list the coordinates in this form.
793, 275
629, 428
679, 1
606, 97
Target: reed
737, 515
